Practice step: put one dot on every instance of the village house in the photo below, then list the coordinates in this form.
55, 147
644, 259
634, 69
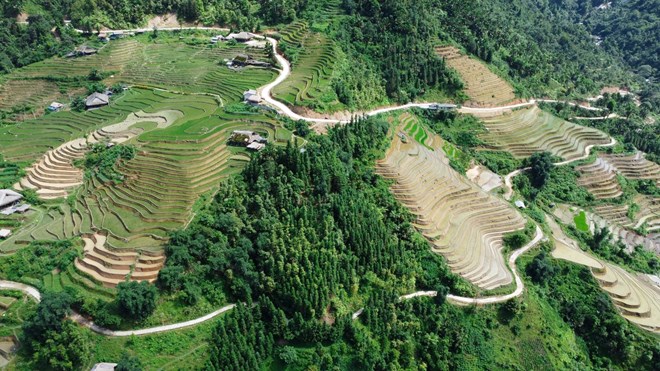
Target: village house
82, 51
249, 139
96, 100
55, 106
443, 107
242, 60
240, 37
251, 97
4, 233
10, 202
9, 198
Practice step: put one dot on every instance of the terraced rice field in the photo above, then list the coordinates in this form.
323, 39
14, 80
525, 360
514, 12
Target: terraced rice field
29, 140
526, 131
411, 126
182, 154
8, 346
649, 213
54, 175
599, 178
112, 267
33, 93
637, 300
634, 166
483, 87
615, 217
309, 81
167, 65
461, 221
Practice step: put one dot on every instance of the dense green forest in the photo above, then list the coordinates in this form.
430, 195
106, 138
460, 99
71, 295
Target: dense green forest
629, 29
305, 237
303, 226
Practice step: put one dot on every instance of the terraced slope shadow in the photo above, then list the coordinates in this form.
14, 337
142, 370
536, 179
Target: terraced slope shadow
636, 299
529, 130
461, 221
483, 87
599, 178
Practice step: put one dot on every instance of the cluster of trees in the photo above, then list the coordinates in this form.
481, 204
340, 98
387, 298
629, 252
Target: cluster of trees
37, 260
53, 340
396, 39
630, 29
299, 225
537, 43
21, 45
240, 13
463, 132
101, 161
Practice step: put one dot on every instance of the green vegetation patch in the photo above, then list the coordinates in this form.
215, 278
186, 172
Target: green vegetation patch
102, 161
581, 221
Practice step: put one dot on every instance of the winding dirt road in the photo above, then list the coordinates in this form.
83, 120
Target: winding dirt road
455, 299
462, 300
76, 317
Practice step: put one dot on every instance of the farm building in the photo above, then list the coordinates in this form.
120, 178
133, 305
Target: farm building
82, 51
15, 209
55, 106
242, 60
443, 107
4, 233
255, 146
240, 37
9, 198
519, 204
251, 97
96, 100
104, 366
249, 139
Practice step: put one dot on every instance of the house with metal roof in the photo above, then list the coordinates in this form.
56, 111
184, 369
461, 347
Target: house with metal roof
97, 100
9, 198
252, 97
240, 37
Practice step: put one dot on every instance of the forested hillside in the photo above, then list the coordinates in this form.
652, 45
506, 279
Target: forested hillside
308, 236
629, 29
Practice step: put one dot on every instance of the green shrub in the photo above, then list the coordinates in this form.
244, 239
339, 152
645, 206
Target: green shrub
101, 161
